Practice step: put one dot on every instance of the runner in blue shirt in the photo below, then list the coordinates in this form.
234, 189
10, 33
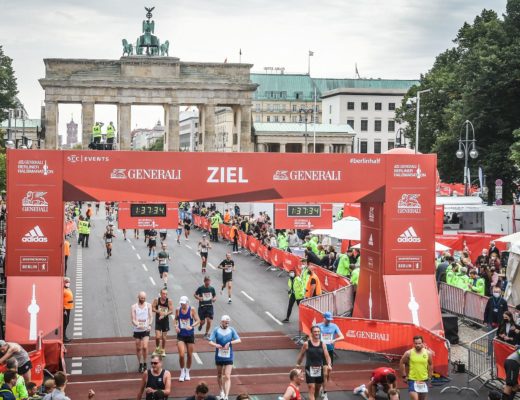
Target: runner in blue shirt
330, 334
223, 338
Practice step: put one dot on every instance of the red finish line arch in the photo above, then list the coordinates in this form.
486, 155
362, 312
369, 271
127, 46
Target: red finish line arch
397, 193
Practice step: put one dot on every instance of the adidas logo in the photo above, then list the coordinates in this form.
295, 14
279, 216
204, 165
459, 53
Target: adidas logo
35, 235
409, 236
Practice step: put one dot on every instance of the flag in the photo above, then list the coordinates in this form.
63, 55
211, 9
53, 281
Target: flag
311, 53
240, 52
357, 72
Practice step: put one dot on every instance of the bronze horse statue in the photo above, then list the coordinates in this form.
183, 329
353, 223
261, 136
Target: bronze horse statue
128, 49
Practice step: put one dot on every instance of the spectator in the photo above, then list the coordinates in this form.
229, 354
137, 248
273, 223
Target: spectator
312, 257
6, 390
493, 249
482, 259
48, 386
507, 330
32, 391
495, 308
19, 390
201, 393
476, 284
494, 261
485, 274
59, 392
442, 269
293, 239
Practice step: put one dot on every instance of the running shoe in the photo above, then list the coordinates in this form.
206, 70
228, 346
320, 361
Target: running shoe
360, 389
183, 375
229, 301
163, 352
187, 375
324, 396
157, 350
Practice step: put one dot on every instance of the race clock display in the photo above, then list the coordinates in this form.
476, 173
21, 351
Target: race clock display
148, 210
304, 211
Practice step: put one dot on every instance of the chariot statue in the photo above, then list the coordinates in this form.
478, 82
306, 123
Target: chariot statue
147, 43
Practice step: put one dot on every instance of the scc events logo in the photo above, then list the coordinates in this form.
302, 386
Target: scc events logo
79, 158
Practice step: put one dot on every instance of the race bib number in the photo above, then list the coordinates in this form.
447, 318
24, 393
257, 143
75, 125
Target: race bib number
184, 323
229, 269
207, 296
327, 338
224, 353
109, 240
315, 372
421, 387
163, 310
141, 324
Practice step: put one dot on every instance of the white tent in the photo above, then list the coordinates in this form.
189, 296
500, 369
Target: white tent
514, 237
348, 228
438, 247
512, 294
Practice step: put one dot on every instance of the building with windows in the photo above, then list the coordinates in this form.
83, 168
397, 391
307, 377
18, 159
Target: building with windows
189, 130
143, 139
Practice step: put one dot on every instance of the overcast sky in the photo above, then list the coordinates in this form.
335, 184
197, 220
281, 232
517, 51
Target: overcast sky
387, 38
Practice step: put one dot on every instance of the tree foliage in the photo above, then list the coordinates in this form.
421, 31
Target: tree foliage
476, 80
8, 87
158, 145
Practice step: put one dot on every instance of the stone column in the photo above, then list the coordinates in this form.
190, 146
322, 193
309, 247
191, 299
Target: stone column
87, 122
51, 125
246, 144
124, 117
209, 128
326, 147
282, 147
171, 127
238, 126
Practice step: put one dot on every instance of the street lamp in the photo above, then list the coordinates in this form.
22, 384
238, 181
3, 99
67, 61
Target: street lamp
418, 115
467, 147
400, 139
305, 112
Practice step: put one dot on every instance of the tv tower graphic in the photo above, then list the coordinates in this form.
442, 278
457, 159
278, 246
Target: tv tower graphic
370, 300
413, 306
33, 310
45, 168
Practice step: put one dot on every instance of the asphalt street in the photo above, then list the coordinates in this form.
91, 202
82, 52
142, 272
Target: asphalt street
105, 289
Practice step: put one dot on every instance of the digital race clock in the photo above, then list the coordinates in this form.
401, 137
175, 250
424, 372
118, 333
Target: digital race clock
148, 210
303, 211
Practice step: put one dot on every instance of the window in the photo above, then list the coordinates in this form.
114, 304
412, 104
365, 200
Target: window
268, 118
196, 124
377, 147
377, 125
391, 106
330, 121
350, 105
235, 138
257, 107
270, 107
282, 107
294, 118
257, 118
364, 106
391, 144
351, 123
298, 95
378, 106
364, 125
276, 118
283, 118
294, 108
391, 125
330, 108
363, 146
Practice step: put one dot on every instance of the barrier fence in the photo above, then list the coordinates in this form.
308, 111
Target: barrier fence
501, 352
340, 302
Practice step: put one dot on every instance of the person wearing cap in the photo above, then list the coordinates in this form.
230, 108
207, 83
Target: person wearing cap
204, 246
186, 319
223, 338
330, 334
14, 350
206, 296
68, 306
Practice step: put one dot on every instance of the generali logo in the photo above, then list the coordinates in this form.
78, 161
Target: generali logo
35, 202
307, 175
34, 167
409, 236
35, 235
408, 171
409, 204
355, 334
142, 174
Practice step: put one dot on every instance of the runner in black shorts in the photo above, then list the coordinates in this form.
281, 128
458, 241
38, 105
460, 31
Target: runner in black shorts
187, 226
512, 367
227, 266
186, 319
163, 258
206, 296
163, 308
152, 242
204, 246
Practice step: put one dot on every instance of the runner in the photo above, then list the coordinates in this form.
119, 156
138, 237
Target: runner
97, 208
382, 377
330, 334
187, 226
316, 359
178, 231
223, 338
163, 308
163, 258
416, 369
162, 234
108, 237
141, 315
152, 242
206, 296
146, 233
227, 266
204, 246
136, 233
156, 381
512, 367
11, 349
186, 319
293, 390
124, 235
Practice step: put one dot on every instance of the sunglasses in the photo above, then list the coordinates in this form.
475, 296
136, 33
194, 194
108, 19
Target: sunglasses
154, 362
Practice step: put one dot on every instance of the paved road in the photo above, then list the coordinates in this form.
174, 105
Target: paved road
105, 290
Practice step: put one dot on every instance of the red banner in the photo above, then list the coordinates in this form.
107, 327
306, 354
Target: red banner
170, 220
303, 216
253, 244
439, 219
475, 242
329, 280
384, 337
502, 351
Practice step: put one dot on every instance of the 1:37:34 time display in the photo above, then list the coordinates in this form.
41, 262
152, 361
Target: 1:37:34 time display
148, 210
303, 211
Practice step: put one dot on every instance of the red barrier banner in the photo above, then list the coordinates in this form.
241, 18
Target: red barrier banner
330, 281
263, 252
291, 263
225, 231
148, 215
303, 216
475, 242
276, 257
205, 224
242, 239
502, 351
384, 337
253, 244
70, 227
196, 220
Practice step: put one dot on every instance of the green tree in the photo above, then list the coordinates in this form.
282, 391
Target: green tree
476, 80
2, 172
8, 87
158, 145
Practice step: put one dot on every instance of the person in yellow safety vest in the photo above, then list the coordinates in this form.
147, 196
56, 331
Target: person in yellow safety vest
354, 277
84, 231
215, 220
111, 134
313, 286
462, 279
283, 243
476, 284
296, 292
343, 265
451, 273
305, 271
96, 132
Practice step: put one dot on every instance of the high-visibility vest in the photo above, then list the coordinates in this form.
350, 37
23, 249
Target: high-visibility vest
354, 277
283, 244
66, 248
83, 227
227, 217
297, 287
343, 265
68, 299
215, 221
308, 285
234, 232
478, 287
111, 132
96, 130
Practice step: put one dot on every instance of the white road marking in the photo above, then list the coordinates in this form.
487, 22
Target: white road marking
133, 247
78, 323
138, 256
76, 372
151, 280
78, 328
273, 318
77, 358
212, 266
78, 334
189, 247
76, 364
249, 297
144, 267
129, 241
197, 358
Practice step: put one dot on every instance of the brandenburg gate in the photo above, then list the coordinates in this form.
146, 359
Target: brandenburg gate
149, 79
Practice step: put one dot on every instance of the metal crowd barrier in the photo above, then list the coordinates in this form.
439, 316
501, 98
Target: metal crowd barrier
340, 302
321, 303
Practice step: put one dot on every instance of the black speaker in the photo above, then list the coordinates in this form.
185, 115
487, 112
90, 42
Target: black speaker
451, 327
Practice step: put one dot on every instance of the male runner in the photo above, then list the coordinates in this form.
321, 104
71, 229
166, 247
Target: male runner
204, 246
330, 334
512, 367
108, 237
292, 392
227, 266
141, 315
382, 377
152, 242
163, 258
178, 231
187, 226
155, 380
416, 368
223, 338
163, 308
206, 296
12, 349
162, 234
186, 319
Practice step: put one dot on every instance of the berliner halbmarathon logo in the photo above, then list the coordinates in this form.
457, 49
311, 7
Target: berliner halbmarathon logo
35, 202
34, 167
409, 171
